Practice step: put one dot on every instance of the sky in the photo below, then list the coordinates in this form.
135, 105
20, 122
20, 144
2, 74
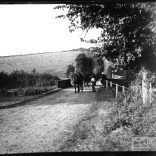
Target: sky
33, 28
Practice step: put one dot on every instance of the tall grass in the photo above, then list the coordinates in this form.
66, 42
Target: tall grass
131, 112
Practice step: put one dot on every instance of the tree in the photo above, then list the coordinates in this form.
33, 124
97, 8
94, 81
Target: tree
84, 64
99, 67
70, 70
128, 34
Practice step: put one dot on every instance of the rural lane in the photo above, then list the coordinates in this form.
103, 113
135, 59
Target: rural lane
43, 124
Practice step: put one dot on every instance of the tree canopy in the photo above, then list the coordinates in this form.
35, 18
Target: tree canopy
70, 70
84, 64
128, 35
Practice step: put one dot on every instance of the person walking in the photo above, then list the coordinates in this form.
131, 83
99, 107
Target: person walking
93, 81
103, 78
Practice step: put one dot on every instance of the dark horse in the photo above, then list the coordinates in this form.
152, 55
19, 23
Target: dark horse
86, 80
78, 82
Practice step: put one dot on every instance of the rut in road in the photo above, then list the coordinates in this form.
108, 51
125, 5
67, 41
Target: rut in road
41, 125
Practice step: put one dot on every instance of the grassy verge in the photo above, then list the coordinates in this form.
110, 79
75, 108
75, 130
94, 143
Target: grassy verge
89, 133
21, 100
102, 128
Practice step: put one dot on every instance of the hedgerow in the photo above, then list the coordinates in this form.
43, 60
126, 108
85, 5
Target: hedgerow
22, 79
130, 111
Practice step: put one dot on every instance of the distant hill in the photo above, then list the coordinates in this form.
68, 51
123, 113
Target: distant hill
53, 62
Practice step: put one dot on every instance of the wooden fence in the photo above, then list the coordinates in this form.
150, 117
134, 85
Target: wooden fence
146, 92
118, 87
151, 91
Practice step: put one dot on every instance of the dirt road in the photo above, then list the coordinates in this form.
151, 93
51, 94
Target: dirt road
41, 125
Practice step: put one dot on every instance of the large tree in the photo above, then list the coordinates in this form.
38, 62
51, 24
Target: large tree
128, 30
84, 64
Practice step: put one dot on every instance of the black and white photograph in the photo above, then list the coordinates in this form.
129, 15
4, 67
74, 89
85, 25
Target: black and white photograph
77, 76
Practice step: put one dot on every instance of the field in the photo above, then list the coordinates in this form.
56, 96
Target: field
52, 62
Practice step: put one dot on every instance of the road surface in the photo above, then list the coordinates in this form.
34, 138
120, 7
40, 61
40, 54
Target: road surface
41, 125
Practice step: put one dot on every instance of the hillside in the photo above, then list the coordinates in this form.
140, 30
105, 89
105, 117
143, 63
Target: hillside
53, 62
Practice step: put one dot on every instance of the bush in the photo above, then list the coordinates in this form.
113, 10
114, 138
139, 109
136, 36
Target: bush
21, 79
130, 111
29, 91
4, 79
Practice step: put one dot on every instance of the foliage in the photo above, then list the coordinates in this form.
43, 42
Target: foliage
99, 67
130, 111
128, 29
130, 75
84, 64
21, 79
70, 70
4, 79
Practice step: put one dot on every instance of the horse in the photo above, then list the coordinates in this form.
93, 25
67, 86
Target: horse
86, 80
78, 82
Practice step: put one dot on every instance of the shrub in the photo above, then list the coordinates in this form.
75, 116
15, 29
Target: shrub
130, 111
21, 79
4, 79
29, 91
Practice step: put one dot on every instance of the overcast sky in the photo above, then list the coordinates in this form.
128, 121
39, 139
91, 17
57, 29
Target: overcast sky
32, 28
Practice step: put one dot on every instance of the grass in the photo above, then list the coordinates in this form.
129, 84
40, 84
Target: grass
54, 63
88, 133
6, 101
99, 131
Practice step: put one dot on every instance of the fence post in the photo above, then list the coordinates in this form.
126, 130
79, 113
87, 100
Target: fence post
150, 93
123, 89
111, 84
106, 84
112, 75
116, 90
144, 88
